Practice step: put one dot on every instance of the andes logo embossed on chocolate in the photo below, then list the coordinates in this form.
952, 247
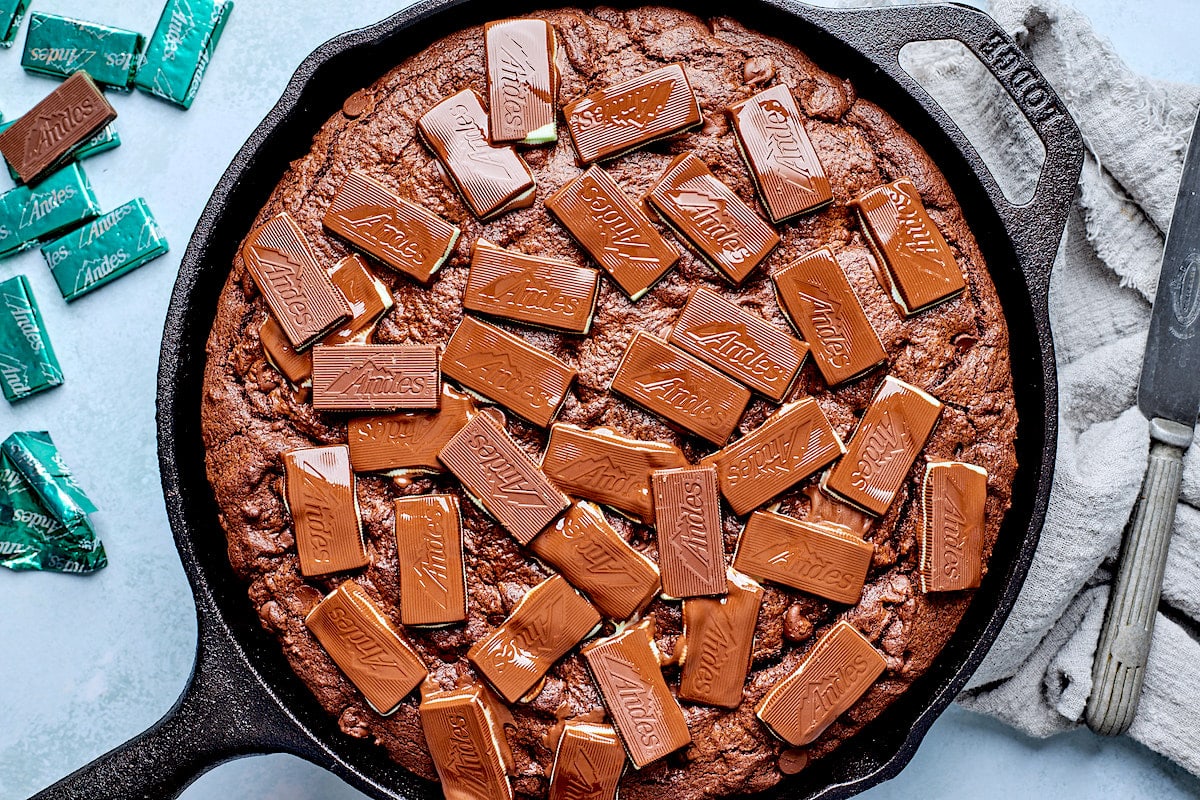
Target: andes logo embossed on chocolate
319, 507
784, 150
464, 740
376, 223
824, 559
533, 289
718, 638
370, 377
825, 693
515, 69
522, 80
408, 440
638, 108
884, 443
917, 235
486, 160
953, 499
623, 238
502, 373
635, 696
68, 116
356, 377
319, 489
731, 342
463, 759
283, 275
830, 325
602, 472
711, 218
688, 521
368, 652
508, 481
430, 558
50, 129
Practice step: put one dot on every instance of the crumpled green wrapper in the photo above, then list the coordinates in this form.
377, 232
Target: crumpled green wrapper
44, 521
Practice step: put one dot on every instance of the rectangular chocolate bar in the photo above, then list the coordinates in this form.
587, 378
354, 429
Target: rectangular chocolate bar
590, 554
60, 46
375, 377
27, 361
106, 139
408, 441
646, 715
790, 445
33, 214
887, 441
407, 237
105, 249
178, 53
838, 670
725, 231
320, 496
680, 388
491, 179
599, 465
953, 496
588, 763
42, 137
543, 627
613, 230
632, 113
497, 472
816, 296
547, 292
745, 347
300, 294
691, 551
522, 80
366, 647
718, 633
821, 558
919, 269
295, 366
11, 14
429, 556
467, 744
505, 368
781, 157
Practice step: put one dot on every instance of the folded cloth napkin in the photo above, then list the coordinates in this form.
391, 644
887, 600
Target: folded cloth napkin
1038, 674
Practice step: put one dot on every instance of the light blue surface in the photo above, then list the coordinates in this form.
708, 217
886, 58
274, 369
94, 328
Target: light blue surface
87, 663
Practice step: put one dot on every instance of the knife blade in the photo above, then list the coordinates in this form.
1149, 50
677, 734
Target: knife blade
1169, 396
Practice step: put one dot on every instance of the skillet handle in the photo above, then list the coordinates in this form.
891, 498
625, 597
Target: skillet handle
223, 713
1035, 227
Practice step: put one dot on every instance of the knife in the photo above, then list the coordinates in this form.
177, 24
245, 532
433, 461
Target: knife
1169, 396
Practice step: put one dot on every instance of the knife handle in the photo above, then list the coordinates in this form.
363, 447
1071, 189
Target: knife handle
1120, 662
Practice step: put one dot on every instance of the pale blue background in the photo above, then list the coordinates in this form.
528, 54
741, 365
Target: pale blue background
87, 663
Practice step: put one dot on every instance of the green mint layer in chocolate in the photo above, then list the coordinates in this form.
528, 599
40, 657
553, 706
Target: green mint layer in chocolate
27, 361
60, 46
30, 215
180, 49
105, 249
11, 13
106, 139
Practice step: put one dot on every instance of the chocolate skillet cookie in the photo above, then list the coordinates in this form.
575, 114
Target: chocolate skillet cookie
609, 398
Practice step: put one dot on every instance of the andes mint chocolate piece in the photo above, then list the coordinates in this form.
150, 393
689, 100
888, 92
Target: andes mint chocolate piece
838, 670
786, 170
613, 230
507, 369
467, 744
48, 132
375, 377
590, 554
522, 80
681, 388
405, 236
408, 441
745, 347
11, 14
718, 633
724, 230
691, 552
33, 214
491, 179
646, 715
543, 627
952, 515
181, 48
817, 298
919, 267
792, 444
106, 139
27, 361
365, 646
824, 559
588, 763
60, 46
320, 497
887, 441
533, 289
429, 556
506, 482
599, 465
300, 294
104, 249
632, 113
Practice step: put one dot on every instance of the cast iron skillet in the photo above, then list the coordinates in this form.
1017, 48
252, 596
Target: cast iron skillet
242, 698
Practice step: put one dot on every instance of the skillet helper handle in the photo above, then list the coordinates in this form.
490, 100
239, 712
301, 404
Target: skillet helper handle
1121, 656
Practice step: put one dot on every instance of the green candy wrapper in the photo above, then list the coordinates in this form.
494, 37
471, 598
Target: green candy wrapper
30, 215
180, 49
27, 361
106, 139
43, 512
11, 14
103, 250
60, 46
